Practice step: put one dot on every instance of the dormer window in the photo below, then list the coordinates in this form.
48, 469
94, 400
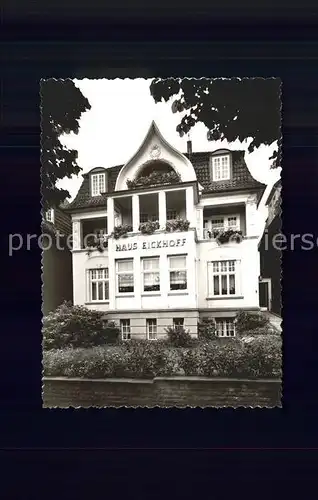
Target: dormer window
221, 167
49, 215
98, 184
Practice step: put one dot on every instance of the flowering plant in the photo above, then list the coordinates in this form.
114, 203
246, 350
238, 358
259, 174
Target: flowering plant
149, 227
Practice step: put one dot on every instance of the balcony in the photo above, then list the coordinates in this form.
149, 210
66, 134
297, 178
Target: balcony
94, 234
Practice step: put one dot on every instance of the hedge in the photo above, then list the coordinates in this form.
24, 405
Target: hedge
260, 358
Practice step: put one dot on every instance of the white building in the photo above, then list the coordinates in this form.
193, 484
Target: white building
147, 282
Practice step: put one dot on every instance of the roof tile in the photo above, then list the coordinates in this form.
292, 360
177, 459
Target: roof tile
241, 179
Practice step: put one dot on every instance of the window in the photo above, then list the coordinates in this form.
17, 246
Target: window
222, 277
171, 214
221, 167
125, 329
225, 327
178, 272
151, 274
125, 275
101, 234
98, 184
146, 217
49, 215
151, 329
220, 223
99, 284
178, 322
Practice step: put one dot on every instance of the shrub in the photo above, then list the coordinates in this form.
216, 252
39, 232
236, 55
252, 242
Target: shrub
260, 358
133, 359
226, 236
264, 356
178, 336
100, 243
76, 326
246, 321
121, 231
153, 179
206, 329
149, 227
177, 225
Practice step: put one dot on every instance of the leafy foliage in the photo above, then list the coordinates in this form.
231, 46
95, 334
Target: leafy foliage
246, 321
177, 225
178, 336
206, 329
153, 179
236, 108
149, 227
99, 243
77, 326
147, 359
227, 236
121, 231
62, 104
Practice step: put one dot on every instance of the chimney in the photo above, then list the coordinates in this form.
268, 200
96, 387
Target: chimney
189, 147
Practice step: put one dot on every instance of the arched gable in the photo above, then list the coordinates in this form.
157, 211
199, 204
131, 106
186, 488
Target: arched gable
155, 148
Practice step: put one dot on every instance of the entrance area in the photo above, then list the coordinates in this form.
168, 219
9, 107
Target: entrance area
265, 294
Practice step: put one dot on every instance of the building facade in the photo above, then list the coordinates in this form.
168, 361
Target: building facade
156, 219
270, 255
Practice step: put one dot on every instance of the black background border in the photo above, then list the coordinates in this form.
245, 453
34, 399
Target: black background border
145, 43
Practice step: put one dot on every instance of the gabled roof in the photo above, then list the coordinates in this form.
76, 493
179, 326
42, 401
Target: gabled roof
241, 180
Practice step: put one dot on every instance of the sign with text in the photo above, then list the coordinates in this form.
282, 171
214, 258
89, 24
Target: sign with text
149, 245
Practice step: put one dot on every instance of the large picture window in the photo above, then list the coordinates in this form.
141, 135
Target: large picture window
223, 278
151, 274
99, 285
178, 272
125, 275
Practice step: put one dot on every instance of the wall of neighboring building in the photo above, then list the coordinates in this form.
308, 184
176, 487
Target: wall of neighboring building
56, 277
270, 261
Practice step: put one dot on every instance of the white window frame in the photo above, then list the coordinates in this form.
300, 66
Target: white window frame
218, 171
151, 327
172, 214
118, 273
224, 327
98, 184
125, 329
49, 215
148, 217
155, 270
212, 272
93, 276
208, 222
179, 269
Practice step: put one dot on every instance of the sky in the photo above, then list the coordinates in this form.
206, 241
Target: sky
120, 115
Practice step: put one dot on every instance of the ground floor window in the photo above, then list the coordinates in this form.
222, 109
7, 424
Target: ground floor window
178, 322
178, 272
99, 284
125, 275
151, 328
125, 329
225, 327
